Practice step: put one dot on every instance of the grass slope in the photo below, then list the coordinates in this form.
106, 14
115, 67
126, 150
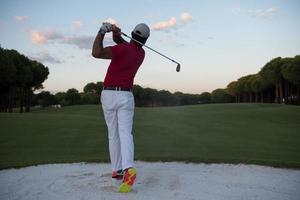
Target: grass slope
267, 134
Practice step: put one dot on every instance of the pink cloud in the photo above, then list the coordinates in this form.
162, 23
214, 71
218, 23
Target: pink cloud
38, 37
82, 42
164, 25
186, 17
21, 18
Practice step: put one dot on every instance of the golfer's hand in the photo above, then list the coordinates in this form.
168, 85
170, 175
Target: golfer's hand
105, 28
115, 29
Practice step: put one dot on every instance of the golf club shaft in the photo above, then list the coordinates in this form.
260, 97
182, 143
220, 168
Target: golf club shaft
149, 47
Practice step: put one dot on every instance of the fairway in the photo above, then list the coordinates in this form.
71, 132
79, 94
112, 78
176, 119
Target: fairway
267, 134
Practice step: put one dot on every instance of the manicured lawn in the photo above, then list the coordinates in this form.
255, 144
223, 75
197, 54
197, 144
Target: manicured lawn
267, 134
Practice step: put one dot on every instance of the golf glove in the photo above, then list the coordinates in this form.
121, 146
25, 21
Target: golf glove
105, 28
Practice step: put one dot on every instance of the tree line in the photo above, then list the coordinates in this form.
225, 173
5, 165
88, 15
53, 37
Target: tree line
277, 82
144, 97
19, 78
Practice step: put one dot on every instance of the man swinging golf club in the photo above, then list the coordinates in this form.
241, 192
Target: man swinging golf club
117, 98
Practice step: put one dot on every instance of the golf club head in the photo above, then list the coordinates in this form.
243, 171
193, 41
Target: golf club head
178, 67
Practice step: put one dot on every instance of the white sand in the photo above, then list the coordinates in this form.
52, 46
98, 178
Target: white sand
155, 181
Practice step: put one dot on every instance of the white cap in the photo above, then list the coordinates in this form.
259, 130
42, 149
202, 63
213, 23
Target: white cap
142, 30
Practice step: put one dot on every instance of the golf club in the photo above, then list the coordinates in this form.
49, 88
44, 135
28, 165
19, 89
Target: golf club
178, 65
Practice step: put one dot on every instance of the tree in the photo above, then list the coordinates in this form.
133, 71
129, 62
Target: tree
241, 88
20, 76
271, 72
291, 72
221, 96
40, 74
151, 96
99, 87
180, 98
165, 98
45, 99
205, 97
72, 97
90, 88
7, 81
259, 85
89, 98
91, 93
61, 98
24, 76
138, 93
232, 90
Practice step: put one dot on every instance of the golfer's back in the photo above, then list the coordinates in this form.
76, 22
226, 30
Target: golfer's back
126, 60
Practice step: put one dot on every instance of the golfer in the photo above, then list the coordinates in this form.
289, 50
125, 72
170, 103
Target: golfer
117, 98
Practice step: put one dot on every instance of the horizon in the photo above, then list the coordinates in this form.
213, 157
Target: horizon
215, 43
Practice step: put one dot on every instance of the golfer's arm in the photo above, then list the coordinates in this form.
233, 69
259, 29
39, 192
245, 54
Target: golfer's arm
98, 50
118, 38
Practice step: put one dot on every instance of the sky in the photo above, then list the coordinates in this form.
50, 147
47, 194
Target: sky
215, 42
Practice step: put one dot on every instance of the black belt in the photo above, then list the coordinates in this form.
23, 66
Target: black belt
118, 89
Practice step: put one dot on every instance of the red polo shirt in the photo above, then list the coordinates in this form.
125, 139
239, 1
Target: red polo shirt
126, 60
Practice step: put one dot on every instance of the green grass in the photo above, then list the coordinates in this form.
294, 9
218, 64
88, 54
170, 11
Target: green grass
266, 134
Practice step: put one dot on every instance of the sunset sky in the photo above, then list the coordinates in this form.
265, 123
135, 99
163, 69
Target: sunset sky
216, 42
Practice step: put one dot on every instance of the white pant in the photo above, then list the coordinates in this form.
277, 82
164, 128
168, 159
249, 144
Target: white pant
118, 109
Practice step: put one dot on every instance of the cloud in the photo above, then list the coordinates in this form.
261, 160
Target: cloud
186, 17
85, 42
45, 57
38, 37
265, 13
111, 20
21, 18
82, 42
164, 25
262, 13
77, 25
